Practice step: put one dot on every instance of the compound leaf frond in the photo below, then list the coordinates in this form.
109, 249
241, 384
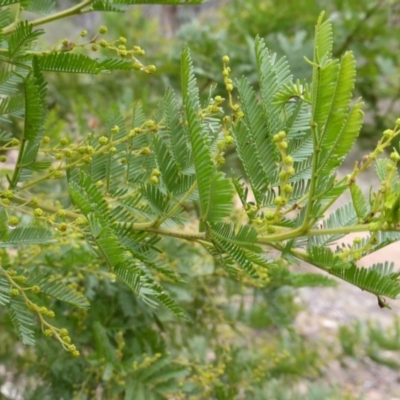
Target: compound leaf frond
59, 290
370, 280
71, 63
26, 236
22, 320
20, 39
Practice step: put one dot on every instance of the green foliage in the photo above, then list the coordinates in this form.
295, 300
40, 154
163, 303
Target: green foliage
25, 236
22, 321
215, 192
371, 280
373, 341
368, 29
59, 291
138, 220
43, 7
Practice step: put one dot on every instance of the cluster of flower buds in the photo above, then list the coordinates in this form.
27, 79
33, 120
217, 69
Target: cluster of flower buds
287, 170
118, 46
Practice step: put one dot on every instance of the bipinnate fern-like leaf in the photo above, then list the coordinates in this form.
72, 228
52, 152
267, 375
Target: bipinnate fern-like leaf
108, 64
253, 134
120, 5
235, 254
221, 198
22, 320
250, 157
343, 123
132, 273
359, 202
382, 167
336, 125
322, 53
341, 217
70, 62
245, 237
34, 107
382, 239
387, 269
239, 246
81, 63
143, 248
140, 166
221, 258
5, 136
178, 137
374, 280
59, 290
26, 236
11, 106
174, 154
161, 204
336, 105
35, 90
4, 19
170, 172
253, 142
20, 39
257, 127
273, 75
326, 258
298, 124
9, 82
8, 2
4, 290
113, 245
346, 137
323, 39
215, 191
106, 241
87, 196
43, 7
107, 167
190, 91
145, 287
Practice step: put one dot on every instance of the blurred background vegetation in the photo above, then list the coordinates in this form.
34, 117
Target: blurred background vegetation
369, 28
240, 342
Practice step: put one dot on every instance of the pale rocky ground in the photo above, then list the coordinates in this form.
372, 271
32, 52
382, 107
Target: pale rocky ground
326, 309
